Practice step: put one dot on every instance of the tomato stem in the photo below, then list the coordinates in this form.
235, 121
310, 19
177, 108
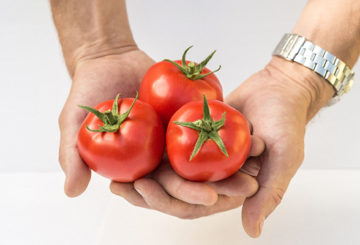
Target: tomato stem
191, 70
111, 118
207, 128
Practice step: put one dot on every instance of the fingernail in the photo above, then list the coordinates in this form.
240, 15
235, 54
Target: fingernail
261, 224
139, 190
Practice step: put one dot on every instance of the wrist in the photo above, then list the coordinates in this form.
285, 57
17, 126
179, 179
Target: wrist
334, 26
314, 90
90, 29
98, 49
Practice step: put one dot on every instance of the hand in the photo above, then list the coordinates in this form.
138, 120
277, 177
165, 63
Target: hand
165, 191
279, 101
94, 81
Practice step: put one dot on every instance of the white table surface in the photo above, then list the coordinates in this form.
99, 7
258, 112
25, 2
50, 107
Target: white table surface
320, 207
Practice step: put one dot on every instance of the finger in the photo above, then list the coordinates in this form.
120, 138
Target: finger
127, 191
274, 177
239, 184
77, 172
252, 166
250, 126
187, 191
257, 146
156, 197
257, 208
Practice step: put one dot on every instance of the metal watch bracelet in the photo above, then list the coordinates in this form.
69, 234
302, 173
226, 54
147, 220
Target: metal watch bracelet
296, 48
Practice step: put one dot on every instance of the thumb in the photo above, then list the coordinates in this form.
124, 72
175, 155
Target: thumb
278, 167
77, 172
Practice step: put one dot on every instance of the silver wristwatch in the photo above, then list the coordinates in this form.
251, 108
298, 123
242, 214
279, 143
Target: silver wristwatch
296, 48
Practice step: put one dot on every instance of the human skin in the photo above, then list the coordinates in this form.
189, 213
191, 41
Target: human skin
103, 59
283, 97
103, 62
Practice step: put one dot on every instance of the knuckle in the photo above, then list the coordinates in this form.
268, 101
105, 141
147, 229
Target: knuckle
192, 212
278, 195
187, 216
61, 155
61, 119
136, 203
177, 190
61, 158
130, 200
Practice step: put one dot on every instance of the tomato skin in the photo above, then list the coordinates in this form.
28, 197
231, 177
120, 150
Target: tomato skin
166, 88
210, 163
128, 154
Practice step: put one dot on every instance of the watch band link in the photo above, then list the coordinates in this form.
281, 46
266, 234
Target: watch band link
296, 48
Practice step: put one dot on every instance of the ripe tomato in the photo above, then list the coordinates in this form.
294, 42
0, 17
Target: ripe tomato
207, 141
128, 145
168, 85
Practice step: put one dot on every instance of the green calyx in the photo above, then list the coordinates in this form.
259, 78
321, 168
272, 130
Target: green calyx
111, 118
191, 70
207, 128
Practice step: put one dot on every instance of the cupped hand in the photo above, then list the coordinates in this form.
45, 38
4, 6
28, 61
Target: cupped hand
102, 78
165, 191
279, 101
94, 81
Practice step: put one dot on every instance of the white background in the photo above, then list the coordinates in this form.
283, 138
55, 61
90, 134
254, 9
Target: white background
34, 82
34, 85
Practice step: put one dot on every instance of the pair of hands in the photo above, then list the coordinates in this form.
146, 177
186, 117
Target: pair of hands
277, 102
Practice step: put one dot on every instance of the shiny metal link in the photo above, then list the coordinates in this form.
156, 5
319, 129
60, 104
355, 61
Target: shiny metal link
296, 48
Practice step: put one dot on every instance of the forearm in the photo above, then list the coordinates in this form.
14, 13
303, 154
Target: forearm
333, 25
91, 28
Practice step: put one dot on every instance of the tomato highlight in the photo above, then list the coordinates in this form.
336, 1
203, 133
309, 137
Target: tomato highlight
207, 140
168, 85
122, 140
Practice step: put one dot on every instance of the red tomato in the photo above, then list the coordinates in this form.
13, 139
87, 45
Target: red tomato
224, 124
167, 87
131, 149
